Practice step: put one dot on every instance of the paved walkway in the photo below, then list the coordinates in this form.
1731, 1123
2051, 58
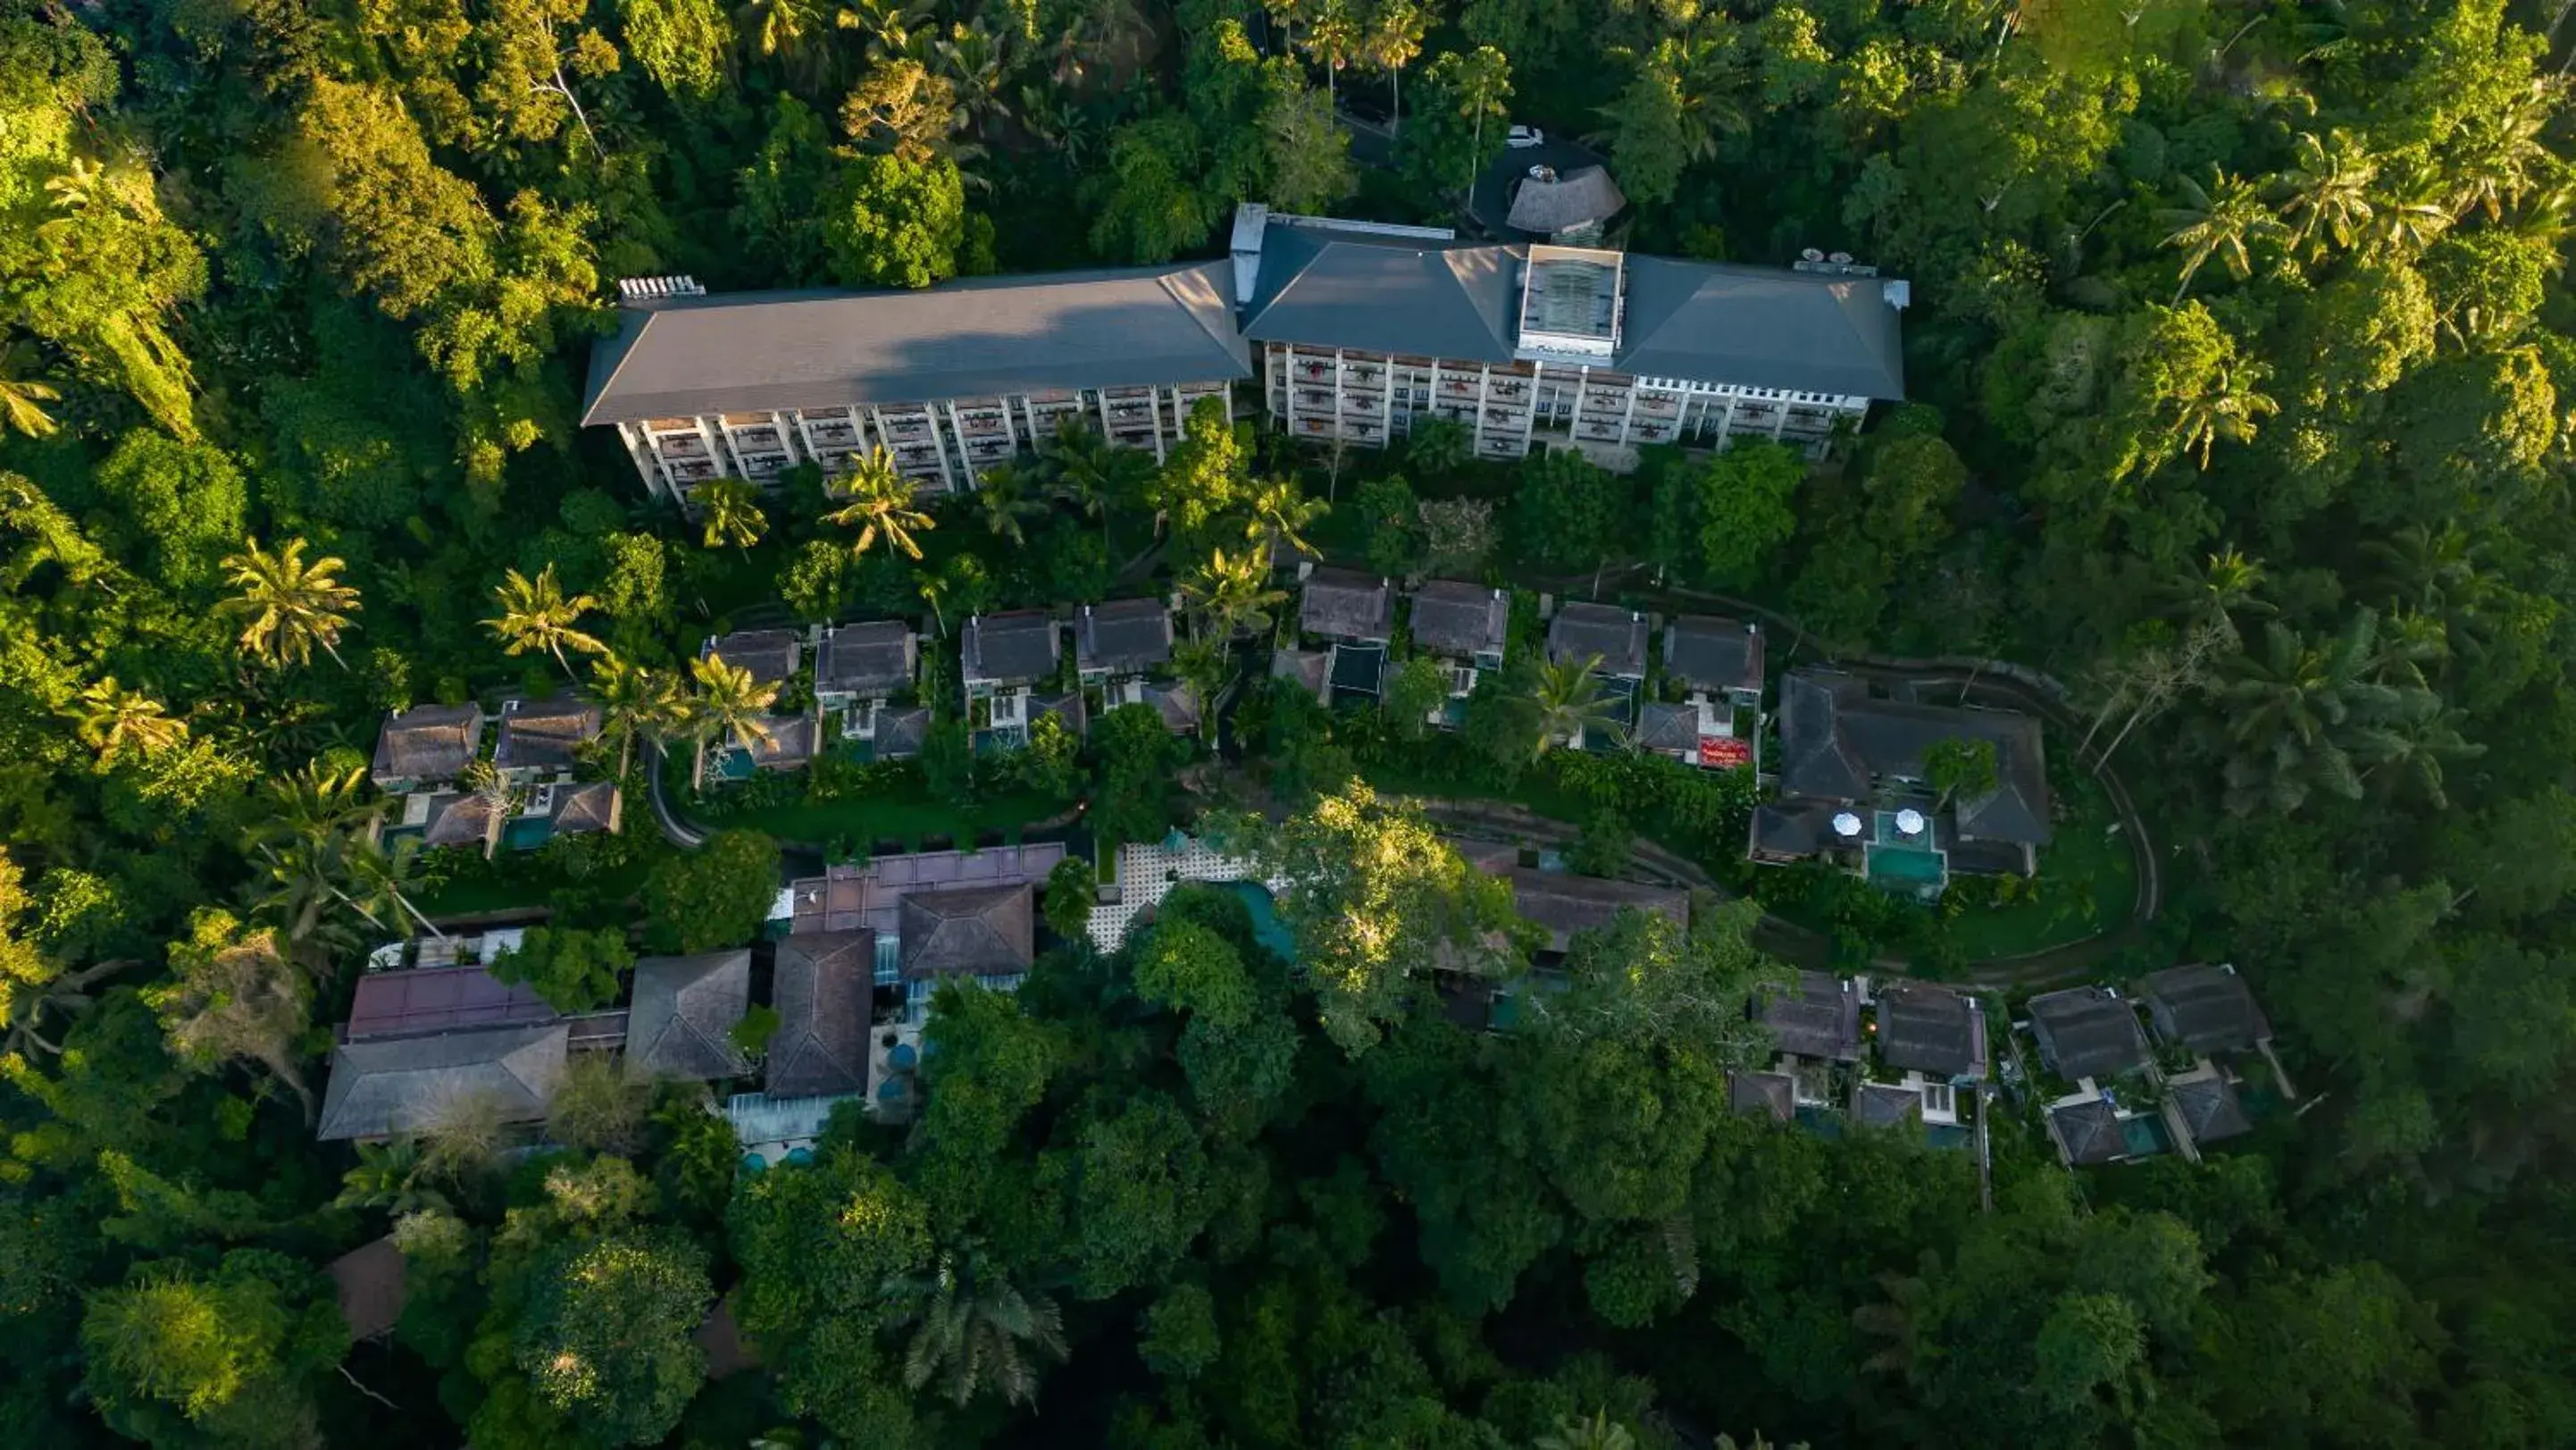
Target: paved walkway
675, 830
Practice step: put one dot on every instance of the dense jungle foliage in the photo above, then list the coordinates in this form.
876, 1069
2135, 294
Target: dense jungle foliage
2243, 384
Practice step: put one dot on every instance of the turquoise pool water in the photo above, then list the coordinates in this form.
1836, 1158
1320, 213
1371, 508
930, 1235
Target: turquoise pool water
526, 833
1267, 928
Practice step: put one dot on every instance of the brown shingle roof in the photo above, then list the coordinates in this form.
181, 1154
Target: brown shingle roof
2210, 1108
1881, 1105
682, 1019
461, 820
405, 1084
770, 654
428, 742
985, 931
2088, 1132
590, 806
544, 734
1302, 667
823, 983
371, 1286
1575, 198
1764, 1093
2206, 1008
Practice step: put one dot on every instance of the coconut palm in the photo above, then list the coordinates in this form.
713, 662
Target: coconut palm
2408, 215
975, 1331
309, 804
878, 502
1094, 474
379, 880
1332, 38
2329, 188
888, 25
22, 398
292, 605
2496, 150
1569, 703
729, 513
2230, 407
729, 702
393, 1176
634, 701
788, 31
1232, 593
112, 720
537, 615
2294, 711
2419, 736
1002, 500
1280, 514
2223, 220
1479, 81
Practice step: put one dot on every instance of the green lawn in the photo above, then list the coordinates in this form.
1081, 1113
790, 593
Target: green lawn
522, 879
2087, 883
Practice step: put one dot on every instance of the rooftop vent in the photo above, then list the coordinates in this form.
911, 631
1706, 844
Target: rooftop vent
634, 291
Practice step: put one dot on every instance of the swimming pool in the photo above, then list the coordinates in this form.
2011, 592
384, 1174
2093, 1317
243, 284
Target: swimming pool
1267, 928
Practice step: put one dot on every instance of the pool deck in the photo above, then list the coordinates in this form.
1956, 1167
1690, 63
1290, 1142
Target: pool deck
1148, 872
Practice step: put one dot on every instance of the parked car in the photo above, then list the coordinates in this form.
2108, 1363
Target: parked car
1523, 136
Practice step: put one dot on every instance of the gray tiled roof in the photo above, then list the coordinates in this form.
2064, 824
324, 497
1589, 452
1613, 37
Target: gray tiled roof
1344, 604
1761, 327
1666, 727
770, 654
428, 742
1017, 648
1881, 1105
1703, 652
1583, 629
2088, 1132
1386, 294
789, 743
405, 1084
1177, 704
681, 1022
1126, 636
2087, 1032
589, 806
2206, 1008
1575, 198
1834, 739
1460, 621
1816, 1016
756, 351
1792, 827
2210, 1108
1068, 709
1305, 667
822, 989
902, 733
875, 658
980, 931
1773, 1094
1565, 903
1931, 1030
545, 734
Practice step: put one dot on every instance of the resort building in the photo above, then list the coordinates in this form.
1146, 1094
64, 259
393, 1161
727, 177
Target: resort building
1356, 331
1855, 788
1122, 653
1611, 643
1711, 711
863, 678
928, 917
680, 1023
1465, 628
1814, 1022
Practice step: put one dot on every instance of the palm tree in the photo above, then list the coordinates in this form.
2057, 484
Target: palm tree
2294, 711
729, 702
378, 880
1281, 513
1569, 704
2495, 151
2420, 735
537, 615
113, 719
729, 512
2409, 215
309, 804
634, 701
787, 31
878, 502
22, 398
393, 1176
1332, 38
1598, 1433
889, 25
976, 63
1002, 501
1895, 1320
2329, 188
1392, 42
975, 1332
1232, 593
1479, 81
2223, 220
2230, 408
292, 605
1094, 474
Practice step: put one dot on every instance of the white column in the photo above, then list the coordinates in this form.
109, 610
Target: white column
1154, 402
1484, 391
1629, 418
788, 437
718, 450
957, 430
